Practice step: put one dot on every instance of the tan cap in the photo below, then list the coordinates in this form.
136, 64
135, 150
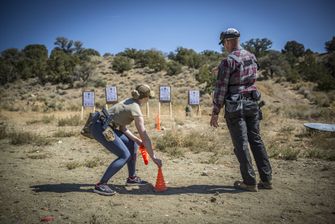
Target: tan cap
142, 91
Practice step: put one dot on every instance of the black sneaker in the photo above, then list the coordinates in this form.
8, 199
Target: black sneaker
103, 189
131, 181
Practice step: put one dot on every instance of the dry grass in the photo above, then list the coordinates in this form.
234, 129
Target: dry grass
23, 137
3, 131
43, 120
37, 156
73, 165
70, 121
176, 143
91, 163
63, 134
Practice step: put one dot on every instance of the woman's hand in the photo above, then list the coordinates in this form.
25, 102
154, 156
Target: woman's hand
157, 161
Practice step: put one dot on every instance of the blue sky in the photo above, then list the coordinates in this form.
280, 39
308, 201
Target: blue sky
111, 26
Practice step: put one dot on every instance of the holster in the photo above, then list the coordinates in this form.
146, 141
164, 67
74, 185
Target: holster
106, 119
86, 130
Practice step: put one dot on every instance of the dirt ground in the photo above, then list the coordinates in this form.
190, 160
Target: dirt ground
36, 182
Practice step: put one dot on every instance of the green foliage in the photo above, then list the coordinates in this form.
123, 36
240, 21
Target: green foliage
330, 45
85, 54
274, 64
211, 58
34, 61
294, 48
65, 45
187, 57
61, 68
205, 76
173, 68
122, 63
152, 59
131, 53
258, 47
330, 64
292, 75
100, 83
10, 63
314, 71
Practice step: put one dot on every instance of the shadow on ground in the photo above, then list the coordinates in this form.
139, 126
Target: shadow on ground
136, 190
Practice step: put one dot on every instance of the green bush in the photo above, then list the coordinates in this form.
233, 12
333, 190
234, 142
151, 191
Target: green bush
122, 64
100, 83
187, 57
173, 68
204, 75
152, 59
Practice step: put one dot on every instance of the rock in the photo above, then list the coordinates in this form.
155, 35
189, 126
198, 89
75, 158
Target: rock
204, 173
213, 199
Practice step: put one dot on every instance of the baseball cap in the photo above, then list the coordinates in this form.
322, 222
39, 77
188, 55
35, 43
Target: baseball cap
229, 33
142, 91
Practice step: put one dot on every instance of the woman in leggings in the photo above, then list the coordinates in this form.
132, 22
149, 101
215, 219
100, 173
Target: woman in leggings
122, 142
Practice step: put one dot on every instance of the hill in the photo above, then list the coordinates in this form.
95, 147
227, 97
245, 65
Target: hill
48, 168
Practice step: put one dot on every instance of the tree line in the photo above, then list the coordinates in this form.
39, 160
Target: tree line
69, 61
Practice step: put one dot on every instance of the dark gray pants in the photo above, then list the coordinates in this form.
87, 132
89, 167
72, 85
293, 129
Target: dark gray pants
242, 119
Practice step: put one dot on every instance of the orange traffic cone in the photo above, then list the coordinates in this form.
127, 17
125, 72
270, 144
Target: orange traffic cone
160, 183
158, 123
145, 154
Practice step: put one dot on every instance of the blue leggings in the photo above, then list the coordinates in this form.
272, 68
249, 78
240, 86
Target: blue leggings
124, 148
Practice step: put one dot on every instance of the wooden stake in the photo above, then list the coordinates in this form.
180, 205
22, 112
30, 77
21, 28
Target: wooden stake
82, 113
147, 106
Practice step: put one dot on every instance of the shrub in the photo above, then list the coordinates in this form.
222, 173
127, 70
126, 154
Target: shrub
187, 57
91, 163
153, 59
100, 83
122, 64
73, 165
173, 68
21, 138
63, 134
289, 153
3, 131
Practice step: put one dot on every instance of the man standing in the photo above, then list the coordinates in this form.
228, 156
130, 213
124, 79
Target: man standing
235, 89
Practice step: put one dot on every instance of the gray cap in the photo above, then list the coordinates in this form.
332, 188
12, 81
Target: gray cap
229, 33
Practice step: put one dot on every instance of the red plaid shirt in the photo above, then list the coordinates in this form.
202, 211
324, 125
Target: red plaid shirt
236, 75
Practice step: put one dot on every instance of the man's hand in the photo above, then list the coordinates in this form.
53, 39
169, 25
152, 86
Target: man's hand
215, 71
214, 121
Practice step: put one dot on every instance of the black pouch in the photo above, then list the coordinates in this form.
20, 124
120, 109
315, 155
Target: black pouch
256, 95
86, 130
260, 114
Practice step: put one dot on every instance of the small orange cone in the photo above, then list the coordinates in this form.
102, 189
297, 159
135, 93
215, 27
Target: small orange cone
158, 123
145, 154
160, 183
